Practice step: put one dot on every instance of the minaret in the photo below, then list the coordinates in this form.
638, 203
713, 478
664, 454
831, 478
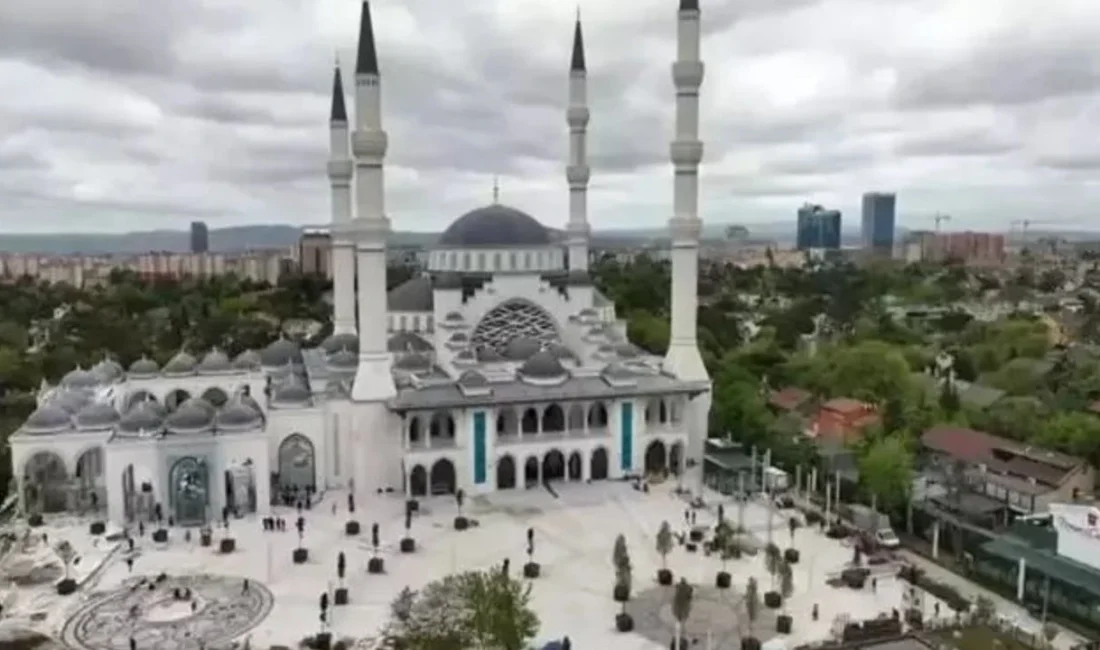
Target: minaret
577, 171
343, 242
686, 151
373, 382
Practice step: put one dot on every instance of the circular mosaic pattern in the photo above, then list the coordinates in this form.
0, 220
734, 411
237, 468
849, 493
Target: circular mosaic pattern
719, 612
220, 609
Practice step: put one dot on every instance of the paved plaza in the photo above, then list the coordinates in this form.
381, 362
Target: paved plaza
574, 535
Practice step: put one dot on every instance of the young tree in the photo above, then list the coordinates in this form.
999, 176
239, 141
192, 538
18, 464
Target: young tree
886, 471
786, 580
624, 577
772, 560
723, 538
664, 543
341, 567
752, 603
681, 609
301, 526
460, 499
792, 525
374, 538
66, 554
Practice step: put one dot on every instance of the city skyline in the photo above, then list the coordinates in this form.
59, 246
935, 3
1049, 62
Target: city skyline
212, 115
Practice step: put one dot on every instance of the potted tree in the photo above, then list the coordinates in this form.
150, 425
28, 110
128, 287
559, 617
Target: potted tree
681, 610
227, 544
664, 547
324, 637
620, 559
97, 527
301, 554
723, 539
351, 528
772, 559
340, 596
66, 554
461, 522
784, 621
791, 555
375, 564
160, 535
752, 611
532, 568
408, 544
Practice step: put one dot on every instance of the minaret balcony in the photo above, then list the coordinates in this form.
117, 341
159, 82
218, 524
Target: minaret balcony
577, 116
370, 145
340, 170
577, 174
686, 153
687, 75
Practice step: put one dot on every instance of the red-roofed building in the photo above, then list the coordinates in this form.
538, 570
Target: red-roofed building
842, 419
789, 400
1026, 478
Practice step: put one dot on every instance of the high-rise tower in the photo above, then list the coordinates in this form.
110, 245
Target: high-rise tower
686, 151
343, 243
373, 382
577, 171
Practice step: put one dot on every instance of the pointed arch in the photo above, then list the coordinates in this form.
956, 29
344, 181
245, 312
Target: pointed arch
656, 457
45, 482
137, 397
575, 420
597, 416
418, 481
676, 458
216, 396
296, 463
553, 466
576, 466
598, 464
175, 398
530, 422
507, 422
506, 473
553, 419
443, 477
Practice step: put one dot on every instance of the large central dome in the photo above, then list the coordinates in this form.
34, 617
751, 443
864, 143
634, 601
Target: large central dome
495, 225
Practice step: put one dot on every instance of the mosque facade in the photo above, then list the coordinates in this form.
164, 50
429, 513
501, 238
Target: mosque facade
500, 367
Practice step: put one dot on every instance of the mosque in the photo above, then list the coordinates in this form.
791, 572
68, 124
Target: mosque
501, 367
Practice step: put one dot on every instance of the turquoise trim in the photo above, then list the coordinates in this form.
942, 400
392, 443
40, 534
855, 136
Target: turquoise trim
626, 440
481, 470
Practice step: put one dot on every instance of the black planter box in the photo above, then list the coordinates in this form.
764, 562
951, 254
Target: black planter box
352, 528
227, 545
322, 641
340, 596
854, 578
97, 528
66, 587
621, 593
691, 547
696, 535
408, 545
160, 535
206, 539
914, 617
35, 520
301, 555
683, 645
791, 555
376, 565
723, 580
531, 570
664, 577
783, 624
750, 643
624, 623
461, 523
772, 599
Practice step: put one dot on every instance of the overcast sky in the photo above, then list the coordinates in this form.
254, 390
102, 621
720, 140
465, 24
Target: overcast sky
130, 114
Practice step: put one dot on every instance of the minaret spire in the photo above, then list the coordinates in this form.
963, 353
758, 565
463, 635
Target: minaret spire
340, 169
496, 189
577, 171
367, 61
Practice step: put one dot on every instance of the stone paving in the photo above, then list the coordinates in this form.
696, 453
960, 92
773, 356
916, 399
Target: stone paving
717, 619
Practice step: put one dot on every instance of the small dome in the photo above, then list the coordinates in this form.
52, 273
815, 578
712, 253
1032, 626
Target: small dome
280, 353
489, 355
215, 361
560, 351
248, 360
521, 348
71, 400
109, 370
181, 364
472, 379
495, 225
459, 337
145, 416
542, 365
143, 367
626, 350
407, 342
453, 317
196, 414
238, 415
48, 418
343, 360
336, 389
465, 357
97, 415
291, 391
413, 362
81, 378
337, 342
587, 311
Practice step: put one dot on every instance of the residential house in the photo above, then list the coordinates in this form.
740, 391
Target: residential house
842, 420
1028, 479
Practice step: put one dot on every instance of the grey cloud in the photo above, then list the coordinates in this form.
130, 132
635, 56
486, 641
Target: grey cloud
963, 143
1074, 163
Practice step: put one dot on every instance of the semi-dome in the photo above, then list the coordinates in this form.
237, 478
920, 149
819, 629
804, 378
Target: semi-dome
238, 415
542, 365
215, 361
108, 370
472, 379
248, 360
97, 415
489, 355
291, 391
343, 360
181, 364
145, 416
281, 353
80, 378
626, 350
521, 348
495, 225
196, 414
143, 367
336, 342
48, 418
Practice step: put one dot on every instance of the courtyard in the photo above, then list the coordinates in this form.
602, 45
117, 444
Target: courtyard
574, 533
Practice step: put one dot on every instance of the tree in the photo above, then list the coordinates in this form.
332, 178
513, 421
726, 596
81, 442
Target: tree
460, 499
301, 526
341, 566
66, 553
786, 580
886, 470
620, 559
752, 603
664, 543
374, 538
681, 609
723, 539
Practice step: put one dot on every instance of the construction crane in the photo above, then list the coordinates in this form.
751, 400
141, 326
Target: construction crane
941, 218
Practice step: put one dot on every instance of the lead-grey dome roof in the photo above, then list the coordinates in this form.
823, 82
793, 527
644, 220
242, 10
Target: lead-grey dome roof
71, 400
145, 416
215, 361
343, 360
237, 414
248, 360
472, 379
495, 225
337, 342
108, 370
80, 378
414, 361
196, 414
521, 348
407, 342
181, 364
97, 415
291, 391
143, 367
48, 418
280, 353
542, 365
